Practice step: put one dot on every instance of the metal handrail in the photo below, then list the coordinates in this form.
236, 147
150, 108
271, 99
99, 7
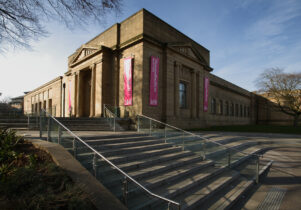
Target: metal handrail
105, 106
113, 165
179, 129
106, 109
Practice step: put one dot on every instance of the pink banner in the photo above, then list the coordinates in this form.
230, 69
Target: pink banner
154, 77
206, 93
69, 94
128, 99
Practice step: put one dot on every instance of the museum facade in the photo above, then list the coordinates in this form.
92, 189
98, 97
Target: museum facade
145, 66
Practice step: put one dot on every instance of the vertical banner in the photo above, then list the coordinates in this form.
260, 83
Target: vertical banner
206, 93
69, 98
128, 92
154, 77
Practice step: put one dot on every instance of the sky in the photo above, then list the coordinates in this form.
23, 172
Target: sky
244, 37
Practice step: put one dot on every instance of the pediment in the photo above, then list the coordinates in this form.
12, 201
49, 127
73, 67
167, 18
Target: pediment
84, 52
187, 50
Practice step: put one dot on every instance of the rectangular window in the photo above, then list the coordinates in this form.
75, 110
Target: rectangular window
241, 111
221, 107
245, 111
236, 110
213, 106
232, 109
183, 95
226, 108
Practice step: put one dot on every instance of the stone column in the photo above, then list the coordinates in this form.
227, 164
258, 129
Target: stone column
193, 94
177, 67
92, 100
78, 108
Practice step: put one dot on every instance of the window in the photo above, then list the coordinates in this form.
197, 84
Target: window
220, 111
183, 91
232, 109
226, 108
213, 106
245, 111
241, 111
236, 110
248, 111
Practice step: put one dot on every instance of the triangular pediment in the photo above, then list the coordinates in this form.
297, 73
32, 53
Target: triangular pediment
84, 52
187, 50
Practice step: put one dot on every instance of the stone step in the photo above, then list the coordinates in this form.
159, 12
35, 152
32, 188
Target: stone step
122, 158
138, 164
120, 145
13, 125
120, 140
155, 169
174, 189
229, 195
200, 194
112, 136
164, 179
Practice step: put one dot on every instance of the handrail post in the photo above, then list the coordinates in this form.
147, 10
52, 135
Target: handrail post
204, 149
114, 124
28, 122
59, 137
150, 127
125, 191
49, 129
183, 142
95, 165
74, 146
165, 133
138, 124
41, 126
229, 159
257, 170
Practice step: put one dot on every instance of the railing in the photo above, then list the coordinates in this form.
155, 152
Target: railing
206, 148
102, 168
110, 116
33, 117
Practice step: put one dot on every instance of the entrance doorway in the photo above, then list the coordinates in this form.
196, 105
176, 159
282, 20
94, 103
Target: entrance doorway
86, 92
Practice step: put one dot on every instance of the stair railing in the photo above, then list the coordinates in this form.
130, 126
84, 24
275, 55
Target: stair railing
56, 132
110, 116
186, 139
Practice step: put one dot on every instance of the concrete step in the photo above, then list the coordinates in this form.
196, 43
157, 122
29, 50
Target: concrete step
156, 169
200, 194
121, 145
123, 158
120, 140
139, 164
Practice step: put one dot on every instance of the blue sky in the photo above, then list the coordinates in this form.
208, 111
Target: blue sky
244, 38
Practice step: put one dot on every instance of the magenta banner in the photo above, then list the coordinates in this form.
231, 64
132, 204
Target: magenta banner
128, 92
153, 84
206, 93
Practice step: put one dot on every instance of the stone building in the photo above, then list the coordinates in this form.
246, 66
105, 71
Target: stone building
145, 66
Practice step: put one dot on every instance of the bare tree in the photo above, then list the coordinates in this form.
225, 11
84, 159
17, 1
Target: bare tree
22, 21
284, 89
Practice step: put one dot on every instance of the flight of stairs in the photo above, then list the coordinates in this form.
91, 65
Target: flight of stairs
93, 124
169, 171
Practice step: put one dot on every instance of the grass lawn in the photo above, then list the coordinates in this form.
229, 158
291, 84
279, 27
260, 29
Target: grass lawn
254, 128
30, 180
